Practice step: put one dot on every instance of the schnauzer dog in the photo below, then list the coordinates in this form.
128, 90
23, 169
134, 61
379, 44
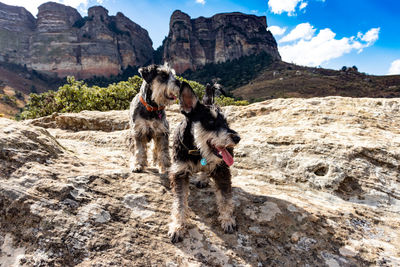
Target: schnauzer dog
210, 93
147, 117
202, 142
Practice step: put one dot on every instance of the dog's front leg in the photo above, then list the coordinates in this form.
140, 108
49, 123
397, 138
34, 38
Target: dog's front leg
222, 178
140, 159
180, 189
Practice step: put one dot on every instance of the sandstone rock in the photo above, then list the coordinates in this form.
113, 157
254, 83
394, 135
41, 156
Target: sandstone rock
316, 182
192, 43
61, 42
21, 144
84, 121
16, 27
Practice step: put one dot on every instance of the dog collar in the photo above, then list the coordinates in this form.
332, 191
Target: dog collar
148, 107
194, 152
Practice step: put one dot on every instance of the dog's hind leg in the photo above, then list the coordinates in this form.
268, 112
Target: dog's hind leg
139, 161
180, 188
223, 192
161, 152
155, 154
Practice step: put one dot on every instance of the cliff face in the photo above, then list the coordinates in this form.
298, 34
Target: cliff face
63, 43
192, 43
16, 27
60, 41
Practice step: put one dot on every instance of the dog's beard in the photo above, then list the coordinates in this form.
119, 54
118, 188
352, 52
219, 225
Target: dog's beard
212, 146
164, 93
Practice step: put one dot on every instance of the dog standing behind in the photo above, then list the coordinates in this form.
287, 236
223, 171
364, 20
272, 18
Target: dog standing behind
202, 142
147, 117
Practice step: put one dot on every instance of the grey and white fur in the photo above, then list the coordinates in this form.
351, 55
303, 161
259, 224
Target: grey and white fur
203, 136
159, 89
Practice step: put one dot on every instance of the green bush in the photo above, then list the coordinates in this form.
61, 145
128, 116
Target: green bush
9, 100
229, 101
75, 96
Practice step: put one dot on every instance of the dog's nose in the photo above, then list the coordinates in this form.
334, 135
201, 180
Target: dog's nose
235, 138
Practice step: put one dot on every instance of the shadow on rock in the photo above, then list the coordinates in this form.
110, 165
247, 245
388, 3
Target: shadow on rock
271, 232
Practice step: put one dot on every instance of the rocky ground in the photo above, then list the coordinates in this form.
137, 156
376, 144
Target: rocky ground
316, 182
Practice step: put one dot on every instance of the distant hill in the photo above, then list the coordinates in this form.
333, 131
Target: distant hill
281, 79
16, 83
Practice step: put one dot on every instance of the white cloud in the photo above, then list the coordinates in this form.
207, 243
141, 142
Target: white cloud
289, 6
203, 2
302, 31
303, 5
395, 67
371, 36
276, 30
32, 5
306, 48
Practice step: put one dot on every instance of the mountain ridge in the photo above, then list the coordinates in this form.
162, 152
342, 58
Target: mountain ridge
60, 42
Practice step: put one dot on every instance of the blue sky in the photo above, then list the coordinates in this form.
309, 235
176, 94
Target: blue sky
326, 33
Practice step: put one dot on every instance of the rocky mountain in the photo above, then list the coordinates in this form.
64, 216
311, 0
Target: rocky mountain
315, 181
61, 42
192, 43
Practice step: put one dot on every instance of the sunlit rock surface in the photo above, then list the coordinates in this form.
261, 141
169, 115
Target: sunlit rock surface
316, 182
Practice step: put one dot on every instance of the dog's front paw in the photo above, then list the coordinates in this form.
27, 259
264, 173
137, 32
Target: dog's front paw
176, 233
229, 226
201, 184
136, 168
202, 180
176, 237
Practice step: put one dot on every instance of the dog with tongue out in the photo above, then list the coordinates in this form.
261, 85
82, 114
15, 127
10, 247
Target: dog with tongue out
203, 142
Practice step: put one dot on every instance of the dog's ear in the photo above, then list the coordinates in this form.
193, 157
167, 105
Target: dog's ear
208, 98
187, 98
148, 73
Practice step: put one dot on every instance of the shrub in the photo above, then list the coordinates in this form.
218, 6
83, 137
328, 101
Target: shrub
229, 101
9, 100
75, 96
19, 95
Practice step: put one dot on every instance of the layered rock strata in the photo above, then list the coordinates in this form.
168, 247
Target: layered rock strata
61, 42
192, 43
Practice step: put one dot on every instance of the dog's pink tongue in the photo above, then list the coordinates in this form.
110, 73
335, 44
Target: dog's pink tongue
226, 156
